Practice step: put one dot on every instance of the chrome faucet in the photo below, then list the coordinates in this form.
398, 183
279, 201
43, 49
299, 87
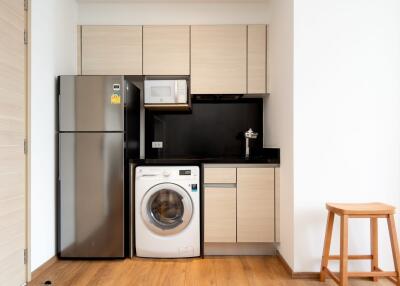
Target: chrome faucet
249, 134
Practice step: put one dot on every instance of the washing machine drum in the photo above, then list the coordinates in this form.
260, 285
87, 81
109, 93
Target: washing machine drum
166, 209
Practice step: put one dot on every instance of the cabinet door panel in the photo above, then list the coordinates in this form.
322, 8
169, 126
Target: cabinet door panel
255, 205
277, 203
220, 215
218, 59
112, 50
257, 59
166, 50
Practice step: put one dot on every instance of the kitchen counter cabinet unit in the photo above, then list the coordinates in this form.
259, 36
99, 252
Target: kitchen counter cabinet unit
248, 199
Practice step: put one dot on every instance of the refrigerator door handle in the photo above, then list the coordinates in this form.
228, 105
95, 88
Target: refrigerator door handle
131, 206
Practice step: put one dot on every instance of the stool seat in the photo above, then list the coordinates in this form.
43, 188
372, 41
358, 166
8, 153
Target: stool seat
361, 209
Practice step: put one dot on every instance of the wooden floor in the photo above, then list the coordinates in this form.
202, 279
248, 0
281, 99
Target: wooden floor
227, 270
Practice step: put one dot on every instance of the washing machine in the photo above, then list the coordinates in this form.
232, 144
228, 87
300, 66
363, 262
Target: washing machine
167, 211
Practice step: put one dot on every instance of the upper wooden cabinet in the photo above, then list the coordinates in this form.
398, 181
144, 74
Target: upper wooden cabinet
255, 205
257, 59
166, 50
111, 50
221, 59
218, 59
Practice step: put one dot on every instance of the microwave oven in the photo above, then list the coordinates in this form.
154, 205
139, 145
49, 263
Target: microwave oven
165, 91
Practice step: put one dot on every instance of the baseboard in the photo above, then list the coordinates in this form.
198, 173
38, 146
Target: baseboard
284, 263
296, 275
42, 268
239, 249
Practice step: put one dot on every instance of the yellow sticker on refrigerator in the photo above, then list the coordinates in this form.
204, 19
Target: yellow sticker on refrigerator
115, 98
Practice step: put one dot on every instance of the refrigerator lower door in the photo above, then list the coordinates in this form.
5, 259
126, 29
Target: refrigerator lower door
91, 195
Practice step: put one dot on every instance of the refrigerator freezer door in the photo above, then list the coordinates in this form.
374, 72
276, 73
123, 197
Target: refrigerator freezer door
91, 103
91, 195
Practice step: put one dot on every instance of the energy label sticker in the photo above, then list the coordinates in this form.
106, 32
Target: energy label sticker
115, 99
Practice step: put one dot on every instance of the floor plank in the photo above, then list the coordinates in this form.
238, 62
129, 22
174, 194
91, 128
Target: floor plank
211, 271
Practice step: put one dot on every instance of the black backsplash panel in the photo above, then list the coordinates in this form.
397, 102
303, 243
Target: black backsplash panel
213, 129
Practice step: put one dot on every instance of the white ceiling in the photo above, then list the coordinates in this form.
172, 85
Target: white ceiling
170, 1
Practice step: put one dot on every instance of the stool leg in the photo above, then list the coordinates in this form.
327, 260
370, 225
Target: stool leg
327, 245
395, 246
374, 246
344, 244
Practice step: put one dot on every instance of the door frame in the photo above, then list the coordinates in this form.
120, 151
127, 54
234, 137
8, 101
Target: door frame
27, 4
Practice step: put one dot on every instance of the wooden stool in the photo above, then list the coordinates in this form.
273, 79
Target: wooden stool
373, 211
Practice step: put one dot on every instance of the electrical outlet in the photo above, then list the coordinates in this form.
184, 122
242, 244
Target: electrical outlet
157, 144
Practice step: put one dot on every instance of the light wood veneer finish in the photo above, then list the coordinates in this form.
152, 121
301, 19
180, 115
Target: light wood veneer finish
256, 59
219, 175
12, 133
219, 214
166, 50
219, 59
277, 204
255, 205
111, 50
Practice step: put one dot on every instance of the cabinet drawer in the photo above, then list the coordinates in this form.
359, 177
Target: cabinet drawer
220, 175
220, 215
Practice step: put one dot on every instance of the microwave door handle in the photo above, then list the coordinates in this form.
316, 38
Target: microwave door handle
176, 92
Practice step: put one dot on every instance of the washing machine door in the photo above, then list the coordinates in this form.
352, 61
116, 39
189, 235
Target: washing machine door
166, 209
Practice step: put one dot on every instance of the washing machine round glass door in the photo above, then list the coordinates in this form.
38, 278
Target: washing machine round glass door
166, 209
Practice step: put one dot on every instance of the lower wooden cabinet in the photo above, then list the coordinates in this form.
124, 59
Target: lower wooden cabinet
255, 205
244, 212
220, 214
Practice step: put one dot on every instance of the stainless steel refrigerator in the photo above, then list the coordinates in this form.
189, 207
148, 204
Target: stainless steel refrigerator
93, 117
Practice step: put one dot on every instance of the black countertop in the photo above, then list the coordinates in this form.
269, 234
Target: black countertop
266, 156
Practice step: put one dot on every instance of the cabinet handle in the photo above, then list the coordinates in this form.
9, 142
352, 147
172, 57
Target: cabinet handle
220, 186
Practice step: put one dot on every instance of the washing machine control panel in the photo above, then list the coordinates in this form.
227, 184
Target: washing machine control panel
180, 173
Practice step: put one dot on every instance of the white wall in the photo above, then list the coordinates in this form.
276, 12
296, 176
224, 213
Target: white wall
172, 13
279, 113
346, 117
53, 52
